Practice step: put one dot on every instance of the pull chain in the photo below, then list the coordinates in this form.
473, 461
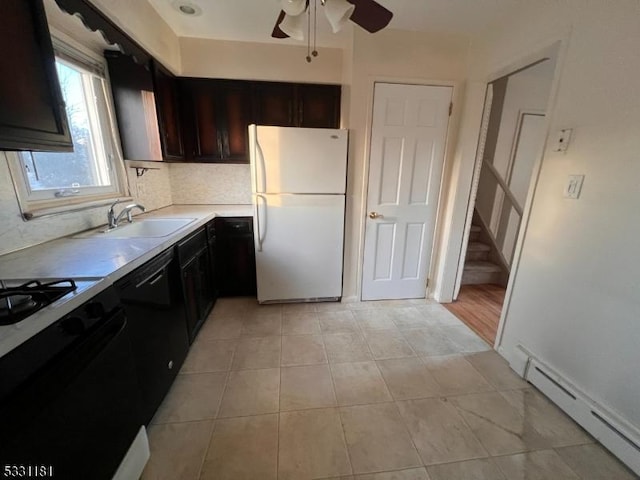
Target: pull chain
309, 33
315, 27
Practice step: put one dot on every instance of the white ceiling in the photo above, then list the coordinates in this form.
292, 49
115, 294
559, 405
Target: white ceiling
253, 20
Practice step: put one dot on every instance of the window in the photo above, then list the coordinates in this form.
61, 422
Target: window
52, 181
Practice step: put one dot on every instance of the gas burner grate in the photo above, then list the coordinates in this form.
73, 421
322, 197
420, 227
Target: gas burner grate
18, 302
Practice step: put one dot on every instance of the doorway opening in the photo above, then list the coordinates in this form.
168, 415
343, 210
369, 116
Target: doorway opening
511, 145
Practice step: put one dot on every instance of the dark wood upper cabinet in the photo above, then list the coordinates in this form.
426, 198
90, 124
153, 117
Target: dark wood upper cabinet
169, 112
134, 98
274, 104
32, 112
318, 106
220, 112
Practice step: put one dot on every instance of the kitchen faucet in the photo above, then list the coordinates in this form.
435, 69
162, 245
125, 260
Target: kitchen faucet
113, 219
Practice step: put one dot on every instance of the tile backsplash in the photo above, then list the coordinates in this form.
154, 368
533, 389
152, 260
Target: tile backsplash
196, 183
162, 185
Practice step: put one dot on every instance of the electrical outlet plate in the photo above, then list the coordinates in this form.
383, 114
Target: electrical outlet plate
574, 187
563, 137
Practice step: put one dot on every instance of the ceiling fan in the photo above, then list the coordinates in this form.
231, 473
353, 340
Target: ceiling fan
368, 14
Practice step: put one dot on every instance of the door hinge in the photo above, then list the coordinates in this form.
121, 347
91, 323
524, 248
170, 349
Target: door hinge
427, 284
450, 108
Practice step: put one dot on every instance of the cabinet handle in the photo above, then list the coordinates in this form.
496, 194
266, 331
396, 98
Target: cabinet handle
220, 150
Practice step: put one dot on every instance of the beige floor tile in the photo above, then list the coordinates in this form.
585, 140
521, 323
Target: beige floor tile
297, 308
312, 445
251, 392
496, 370
483, 469
243, 448
326, 307
429, 341
257, 352
262, 325
388, 344
439, 433
377, 319
195, 396
304, 387
346, 347
558, 429
232, 306
216, 328
377, 439
408, 378
465, 339
338, 322
359, 383
593, 462
303, 350
209, 356
498, 425
255, 309
455, 375
410, 317
177, 450
305, 323
409, 474
540, 465
436, 314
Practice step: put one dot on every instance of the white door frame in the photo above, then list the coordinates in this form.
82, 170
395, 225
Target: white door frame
558, 48
449, 142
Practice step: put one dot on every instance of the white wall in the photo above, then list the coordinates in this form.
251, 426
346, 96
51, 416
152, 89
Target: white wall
258, 61
141, 22
394, 56
575, 299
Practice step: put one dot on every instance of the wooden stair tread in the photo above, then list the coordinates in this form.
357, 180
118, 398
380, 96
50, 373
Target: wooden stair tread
478, 247
481, 266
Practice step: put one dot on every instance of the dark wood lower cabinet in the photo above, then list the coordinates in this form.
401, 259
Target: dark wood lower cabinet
236, 262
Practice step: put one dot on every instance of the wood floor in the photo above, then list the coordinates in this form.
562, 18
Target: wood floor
479, 306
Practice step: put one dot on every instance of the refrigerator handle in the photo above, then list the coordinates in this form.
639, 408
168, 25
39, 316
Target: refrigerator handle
260, 180
258, 228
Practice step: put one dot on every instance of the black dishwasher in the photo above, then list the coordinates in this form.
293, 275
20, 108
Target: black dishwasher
69, 399
153, 304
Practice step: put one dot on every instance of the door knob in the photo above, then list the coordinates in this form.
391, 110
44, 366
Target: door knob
374, 215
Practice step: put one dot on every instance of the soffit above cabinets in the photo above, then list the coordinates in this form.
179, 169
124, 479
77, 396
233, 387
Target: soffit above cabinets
253, 20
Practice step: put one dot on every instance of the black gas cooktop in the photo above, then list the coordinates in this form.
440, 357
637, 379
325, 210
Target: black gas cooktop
19, 300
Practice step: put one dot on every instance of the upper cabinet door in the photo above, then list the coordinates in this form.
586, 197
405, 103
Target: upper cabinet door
32, 113
274, 104
234, 117
318, 106
169, 116
202, 104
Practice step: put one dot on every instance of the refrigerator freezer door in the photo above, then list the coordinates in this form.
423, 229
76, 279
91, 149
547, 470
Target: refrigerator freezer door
299, 246
298, 160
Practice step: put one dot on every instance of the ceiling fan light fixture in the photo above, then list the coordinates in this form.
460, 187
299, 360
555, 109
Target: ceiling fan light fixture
294, 26
293, 7
338, 13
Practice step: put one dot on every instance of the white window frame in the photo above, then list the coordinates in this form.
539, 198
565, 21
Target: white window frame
38, 203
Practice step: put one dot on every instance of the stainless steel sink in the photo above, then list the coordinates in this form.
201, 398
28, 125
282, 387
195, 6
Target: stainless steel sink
144, 228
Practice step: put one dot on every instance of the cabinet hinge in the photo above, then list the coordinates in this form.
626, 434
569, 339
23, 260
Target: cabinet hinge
450, 108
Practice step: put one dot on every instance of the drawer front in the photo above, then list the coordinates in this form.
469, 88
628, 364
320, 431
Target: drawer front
235, 225
190, 247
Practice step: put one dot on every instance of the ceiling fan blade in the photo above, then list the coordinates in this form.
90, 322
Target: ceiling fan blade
370, 15
277, 33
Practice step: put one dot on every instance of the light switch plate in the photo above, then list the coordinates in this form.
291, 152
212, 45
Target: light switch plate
563, 137
574, 187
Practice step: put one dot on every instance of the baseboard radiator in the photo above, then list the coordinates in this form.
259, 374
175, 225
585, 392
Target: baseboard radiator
616, 434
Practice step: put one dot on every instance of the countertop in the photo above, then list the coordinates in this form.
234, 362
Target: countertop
107, 258
99, 260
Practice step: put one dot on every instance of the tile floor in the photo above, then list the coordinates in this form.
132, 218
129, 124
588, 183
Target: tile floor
395, 390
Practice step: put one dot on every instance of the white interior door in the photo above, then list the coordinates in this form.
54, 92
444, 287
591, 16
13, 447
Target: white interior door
408, 138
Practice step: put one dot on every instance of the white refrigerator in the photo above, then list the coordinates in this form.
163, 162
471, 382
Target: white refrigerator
298, 179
